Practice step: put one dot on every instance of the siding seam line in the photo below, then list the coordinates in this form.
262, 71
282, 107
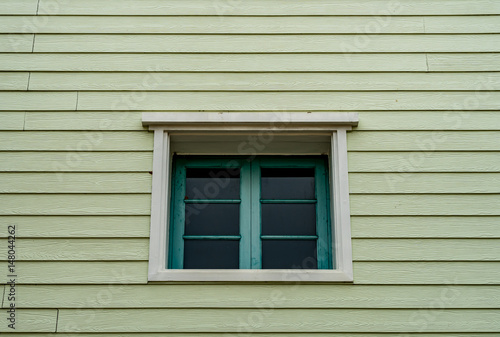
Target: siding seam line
77, 97
33, 46
37, 7
57, 320
3, 295
24, 121
29, 78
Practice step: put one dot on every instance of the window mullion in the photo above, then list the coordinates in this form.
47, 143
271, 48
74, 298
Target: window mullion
256, 250
245, 216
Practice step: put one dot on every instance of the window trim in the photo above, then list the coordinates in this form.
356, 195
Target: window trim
166, 125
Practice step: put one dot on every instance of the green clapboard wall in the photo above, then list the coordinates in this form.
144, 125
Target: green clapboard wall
424, 76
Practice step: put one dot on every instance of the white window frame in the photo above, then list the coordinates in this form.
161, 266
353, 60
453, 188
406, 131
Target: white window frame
212, 124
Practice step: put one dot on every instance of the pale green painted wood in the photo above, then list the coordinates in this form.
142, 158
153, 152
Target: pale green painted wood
14, 81
451, 273
75, 204
277, 320
423, 141
28, 320
260, 7
76, 141
18, 7
216, 62
75, 183
75, 161
77, 226
16, 43
82, 249
424, 183
425, 227
404, 162
100, 121
255, 295
39, 100
424, 204
469, 24
12, 120
426, 250
281, 334
80, 272
263, 82
232, 25
464, 62
346, 101
370, 120
50, 43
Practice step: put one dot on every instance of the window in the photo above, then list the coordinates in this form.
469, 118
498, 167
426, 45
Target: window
273, 168
263, 212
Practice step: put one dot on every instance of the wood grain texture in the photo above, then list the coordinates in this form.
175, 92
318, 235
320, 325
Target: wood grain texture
216, 62
469, 24
75, 161
29, 320
426, 250
405, 162
80, 272
255, 295
263, 82
81, 43
75, 204
18, 7
283, 101
275, 7
16, 43
77, 226
82, 249
234, 320
12, 120
464, 62
76, 141
424, 204
12, 100
75, 183
14, 81
430, 183
425, 227
282, 334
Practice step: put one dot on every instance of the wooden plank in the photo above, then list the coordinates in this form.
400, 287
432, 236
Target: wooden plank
229, 25
38, 100
340, 101
14, 81
404, 162
424, 141
12, 120
451, 273
77, 226
101, 121
277, 320
424, 204
464, 62
425, 227
117, 43
75, 183
79, 204
291, 334
16, 43
462, 24
429, 183
76, 141
264, 82
275, 7
29, 320
253, 295
214, 62
428, 120
426, 250
80, 272
18, 7
76, 161
82, 249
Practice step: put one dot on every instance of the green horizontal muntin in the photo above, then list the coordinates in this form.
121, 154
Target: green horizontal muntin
289, 237
211, 237
288, 201
212, 201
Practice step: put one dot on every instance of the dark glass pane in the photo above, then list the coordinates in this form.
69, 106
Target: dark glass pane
287, 183
211, 254
289, 219
289, 254
212, 183
212, 219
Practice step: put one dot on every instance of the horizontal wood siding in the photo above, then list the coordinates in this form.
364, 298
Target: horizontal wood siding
424, 162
